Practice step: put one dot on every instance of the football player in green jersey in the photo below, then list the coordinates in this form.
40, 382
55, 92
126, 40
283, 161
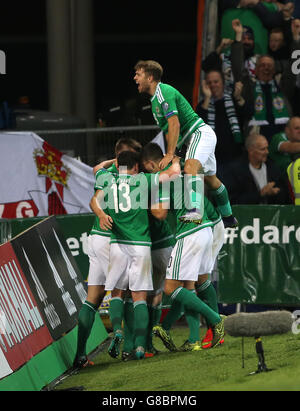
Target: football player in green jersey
183, 127
98, 252
130, 259
160, 251
191, 255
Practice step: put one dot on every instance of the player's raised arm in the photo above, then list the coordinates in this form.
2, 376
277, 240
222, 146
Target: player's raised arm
159, 211
172, 139
103, 164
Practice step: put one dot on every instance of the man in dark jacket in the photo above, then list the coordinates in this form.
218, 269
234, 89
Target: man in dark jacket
255, 179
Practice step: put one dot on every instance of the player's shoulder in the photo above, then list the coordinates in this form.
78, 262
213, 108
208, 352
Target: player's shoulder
144, 176
103, 176
101, 172
167, 88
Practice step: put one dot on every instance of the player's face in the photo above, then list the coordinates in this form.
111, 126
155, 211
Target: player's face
142, 80
151, 166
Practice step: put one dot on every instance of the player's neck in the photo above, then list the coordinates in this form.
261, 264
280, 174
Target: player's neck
153, 87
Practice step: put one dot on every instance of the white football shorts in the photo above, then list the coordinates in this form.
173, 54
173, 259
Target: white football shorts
202, 147
191, 255
98, 252
130, 267
218, 241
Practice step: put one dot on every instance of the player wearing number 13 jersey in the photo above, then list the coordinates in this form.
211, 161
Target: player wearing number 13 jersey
125, 211
126, 199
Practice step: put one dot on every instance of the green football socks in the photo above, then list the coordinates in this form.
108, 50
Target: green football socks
191, 302
154, 318
222, 200
174, 314
116, 310
207, 293
85, 323
141, 321
128, 326
193, 321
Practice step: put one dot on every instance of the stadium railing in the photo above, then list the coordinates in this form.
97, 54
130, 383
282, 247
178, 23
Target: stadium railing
93, 145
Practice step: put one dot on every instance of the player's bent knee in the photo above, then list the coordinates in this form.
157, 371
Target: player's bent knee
202, 278
170, 286
192, 167
213, 182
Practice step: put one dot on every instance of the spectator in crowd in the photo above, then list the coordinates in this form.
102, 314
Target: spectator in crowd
243, 50
261, 17
255, 179
285, 146
279, 50
269, 99
225, 113
220, 59
295, 32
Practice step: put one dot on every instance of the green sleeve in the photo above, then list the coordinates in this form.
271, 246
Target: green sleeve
103, 179
169, 105
276, 139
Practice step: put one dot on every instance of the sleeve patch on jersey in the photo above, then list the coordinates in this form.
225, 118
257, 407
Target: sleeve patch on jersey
165, 106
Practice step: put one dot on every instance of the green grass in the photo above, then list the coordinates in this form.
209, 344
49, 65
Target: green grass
218, 369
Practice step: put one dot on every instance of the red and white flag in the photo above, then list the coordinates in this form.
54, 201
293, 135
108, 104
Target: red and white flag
38, 180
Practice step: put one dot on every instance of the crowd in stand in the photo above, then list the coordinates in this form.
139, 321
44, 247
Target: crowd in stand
251, 98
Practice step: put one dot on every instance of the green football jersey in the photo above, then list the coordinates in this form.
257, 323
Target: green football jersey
96, 229
167, 102
127, 203
161, 233
174, 195
211, 211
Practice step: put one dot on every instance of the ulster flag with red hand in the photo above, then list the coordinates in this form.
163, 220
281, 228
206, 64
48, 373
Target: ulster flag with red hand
38, 180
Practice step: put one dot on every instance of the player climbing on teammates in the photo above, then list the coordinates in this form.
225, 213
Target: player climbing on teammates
184, 128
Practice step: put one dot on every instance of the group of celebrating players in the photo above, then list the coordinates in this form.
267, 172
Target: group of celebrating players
156, 232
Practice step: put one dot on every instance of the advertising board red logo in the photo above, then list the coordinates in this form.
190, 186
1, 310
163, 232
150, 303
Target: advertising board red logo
23, 330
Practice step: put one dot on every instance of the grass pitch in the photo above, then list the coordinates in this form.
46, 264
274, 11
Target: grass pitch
217, 369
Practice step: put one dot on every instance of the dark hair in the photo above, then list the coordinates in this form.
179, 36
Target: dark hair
151, 67
128, 159
129, 142
151, 151
215, 71
277, 30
